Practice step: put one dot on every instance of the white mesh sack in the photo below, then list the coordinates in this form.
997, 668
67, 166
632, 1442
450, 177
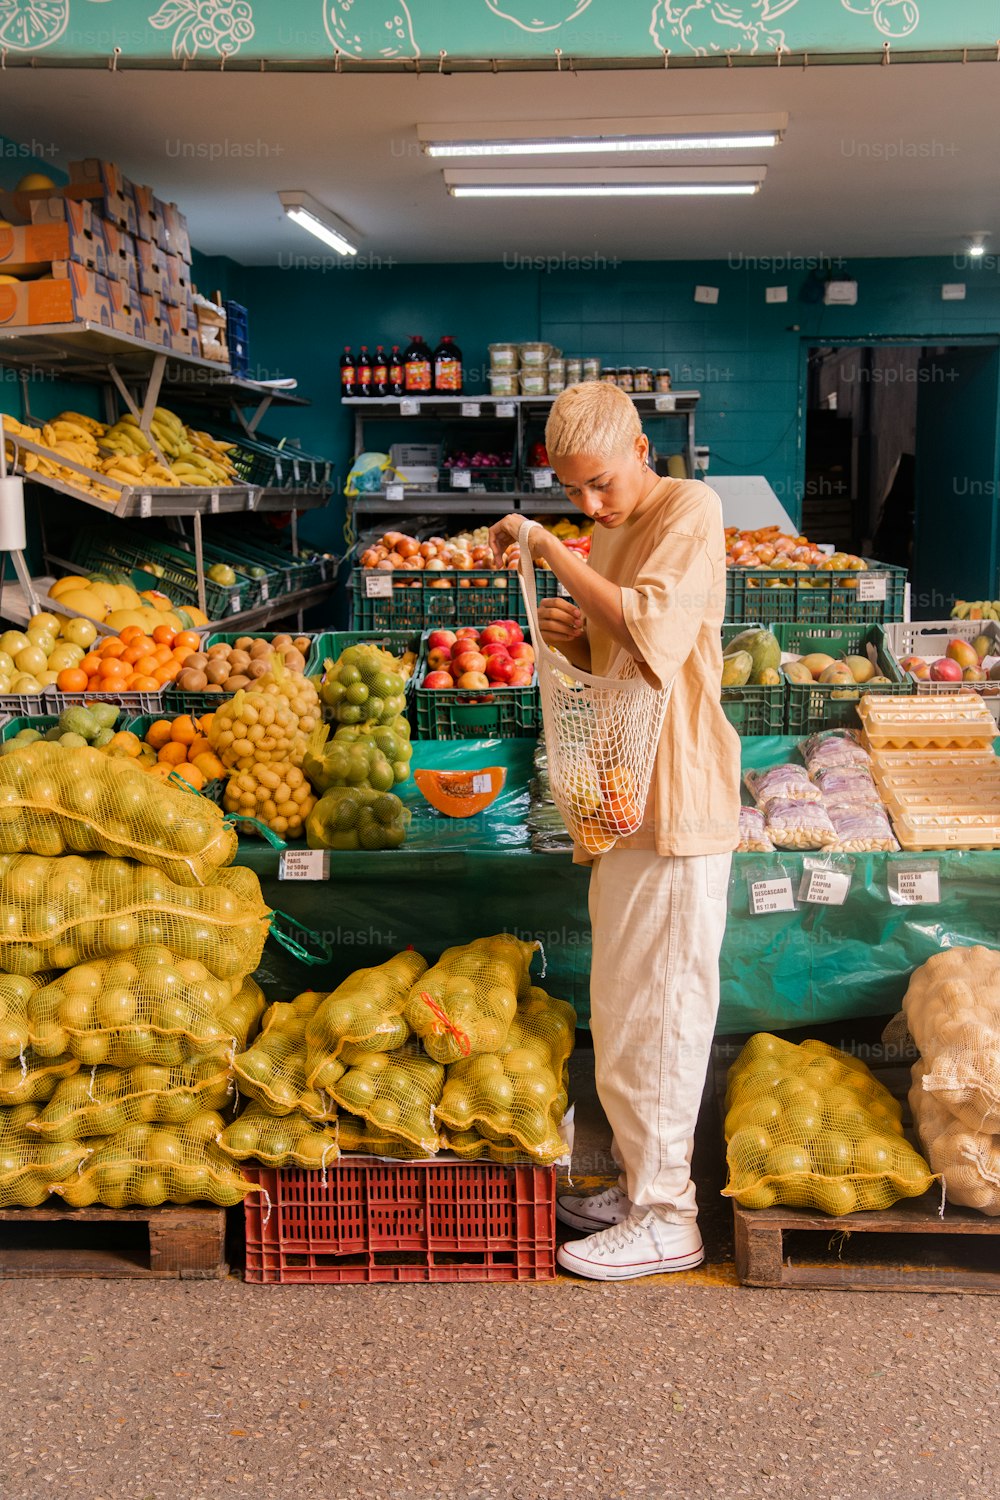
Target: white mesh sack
968, 1160
601, 733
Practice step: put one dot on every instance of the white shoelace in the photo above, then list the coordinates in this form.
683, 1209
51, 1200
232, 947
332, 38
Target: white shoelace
610, 1198
620, 1235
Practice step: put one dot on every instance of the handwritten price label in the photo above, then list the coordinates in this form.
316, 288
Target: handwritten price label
471, 409
825, 887
378, 586
871, 588
461, 479
918, 887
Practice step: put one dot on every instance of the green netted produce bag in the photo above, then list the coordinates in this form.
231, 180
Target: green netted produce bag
364, 685
55, 800
465, 1004
811, 1127
377, 757
58, 913
365, 1012
362, 1138
396, 1092
31, 1167
293, 1140
151, 1164
147, 1006
515, 1097
356, 817
102, 1101
273, 1070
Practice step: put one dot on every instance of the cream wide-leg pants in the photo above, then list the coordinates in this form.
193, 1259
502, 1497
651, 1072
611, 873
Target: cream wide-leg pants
658, 924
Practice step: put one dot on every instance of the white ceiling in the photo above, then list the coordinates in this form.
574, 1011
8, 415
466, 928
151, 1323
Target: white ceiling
898, 160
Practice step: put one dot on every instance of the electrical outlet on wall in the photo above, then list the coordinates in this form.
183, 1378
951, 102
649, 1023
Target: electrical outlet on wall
776, 294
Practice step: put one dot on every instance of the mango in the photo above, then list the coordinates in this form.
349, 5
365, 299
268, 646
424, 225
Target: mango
736, 668
761, 645
796, 671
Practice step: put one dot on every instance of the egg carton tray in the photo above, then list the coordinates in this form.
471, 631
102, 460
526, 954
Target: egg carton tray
943, 829
926, 723
888, 762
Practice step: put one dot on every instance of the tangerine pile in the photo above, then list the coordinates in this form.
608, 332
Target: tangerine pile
131, 662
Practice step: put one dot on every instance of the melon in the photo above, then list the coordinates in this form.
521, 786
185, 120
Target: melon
461, 794
84, 602
198, 616
119, 618
736, 668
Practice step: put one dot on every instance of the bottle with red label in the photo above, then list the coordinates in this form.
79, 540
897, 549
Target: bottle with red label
418, 367
364, 372
348, 373
380, 373
396, 386
448, 367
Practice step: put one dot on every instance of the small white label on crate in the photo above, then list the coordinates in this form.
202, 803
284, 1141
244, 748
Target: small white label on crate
915, 887
304, 864
562, 590
825, 887
234, 604
471, 409
768, 896
666, 403
213, 503
264, 591
409, 408
145, 506
324, 570
505, 408
461, 479
394, 492
482, 783
378, 585
871, 588
543, 479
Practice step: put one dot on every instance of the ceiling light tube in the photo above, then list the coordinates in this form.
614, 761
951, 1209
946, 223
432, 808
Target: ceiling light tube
606, 190
604, 136
583, 145
319, 220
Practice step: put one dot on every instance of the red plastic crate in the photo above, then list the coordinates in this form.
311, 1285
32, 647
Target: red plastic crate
365, 1220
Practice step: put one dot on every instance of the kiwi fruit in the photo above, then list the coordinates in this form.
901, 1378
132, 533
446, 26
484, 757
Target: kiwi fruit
192, 680
196, 662
218, 671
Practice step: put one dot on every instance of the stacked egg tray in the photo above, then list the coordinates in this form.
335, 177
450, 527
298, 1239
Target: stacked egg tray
936, 769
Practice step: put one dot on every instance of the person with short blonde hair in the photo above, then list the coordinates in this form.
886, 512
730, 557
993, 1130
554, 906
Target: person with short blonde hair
655, 586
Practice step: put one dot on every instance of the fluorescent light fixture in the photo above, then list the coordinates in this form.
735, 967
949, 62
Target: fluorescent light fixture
977, 246
305, 211
609, 190
597, 182
604, 137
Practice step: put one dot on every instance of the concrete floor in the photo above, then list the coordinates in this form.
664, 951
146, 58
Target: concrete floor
685, 1387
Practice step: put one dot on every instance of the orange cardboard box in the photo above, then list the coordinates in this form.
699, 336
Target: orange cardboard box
148, 226
72, 294
152, 265
155, 329
182, 339
94, 178
126, 314
30, 250
178, 241
84, 229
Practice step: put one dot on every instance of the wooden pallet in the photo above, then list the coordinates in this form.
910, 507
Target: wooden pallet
151, 1244
906, 1248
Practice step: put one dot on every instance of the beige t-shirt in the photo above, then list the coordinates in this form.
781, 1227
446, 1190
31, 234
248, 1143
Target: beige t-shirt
669, 558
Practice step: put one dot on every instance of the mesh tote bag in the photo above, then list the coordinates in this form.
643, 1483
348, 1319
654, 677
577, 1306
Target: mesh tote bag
601, 733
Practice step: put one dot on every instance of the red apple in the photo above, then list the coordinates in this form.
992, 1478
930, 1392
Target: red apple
467, 633
500, 669
468, 661
494, 650
522, 651
521, 676
473, 680
436, 680
439, 658
516, 633
916, 667
945, 670
441, 638
495, 635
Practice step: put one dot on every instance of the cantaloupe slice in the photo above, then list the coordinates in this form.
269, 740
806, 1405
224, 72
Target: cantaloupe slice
461, 794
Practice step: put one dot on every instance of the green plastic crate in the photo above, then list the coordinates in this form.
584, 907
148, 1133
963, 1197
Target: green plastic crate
331, 643
42, 722
499, 713
753, 709
96, 550
214, 790
814, 706
314, 661
419, 602
816, 595
177, 701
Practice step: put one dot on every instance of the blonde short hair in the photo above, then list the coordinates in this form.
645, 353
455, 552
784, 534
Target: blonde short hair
594, 418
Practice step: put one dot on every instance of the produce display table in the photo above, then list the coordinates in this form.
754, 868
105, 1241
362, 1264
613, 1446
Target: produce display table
457, 879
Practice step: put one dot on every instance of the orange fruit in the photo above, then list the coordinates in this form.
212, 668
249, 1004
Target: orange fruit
129, 633
183, 730
143, 685
192, 775
163, 635
205, 722
188, 640
172, 753
199, 746
113, 646
162, 655
146, 666
72, 680
111, 669
91, 664
131, 654
158, 733
164, 675
209, 765
124, 743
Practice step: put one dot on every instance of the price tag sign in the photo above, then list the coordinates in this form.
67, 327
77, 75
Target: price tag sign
304, 864
767, 896
871, 588
666, 403
918, 885
213, 503
409, 408
505, 408
264, 593
324, 569
394, 492
145, 506
823, 886
234, 604
562, 590
471, 409
378, 585
461, 479
543, 479
481, 783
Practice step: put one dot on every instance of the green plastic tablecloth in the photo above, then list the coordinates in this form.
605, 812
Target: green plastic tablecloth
457, 879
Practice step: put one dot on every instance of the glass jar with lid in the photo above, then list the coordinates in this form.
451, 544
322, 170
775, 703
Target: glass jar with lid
591, 368
643, 380
663, 379
609, 374
626, 378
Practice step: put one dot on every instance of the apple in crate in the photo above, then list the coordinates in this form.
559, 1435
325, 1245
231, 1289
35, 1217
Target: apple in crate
437, 680
467, 633
468, 661
500, 669
492, 649
521, 676
439, 658
974, 674
945, 670
514, 630
963, 653
495, 635
439, 640
473, 680
521, 651
917, 667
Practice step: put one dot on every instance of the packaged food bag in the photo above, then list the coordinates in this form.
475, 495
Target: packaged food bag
30, 1167
396, 1092
860, 828
968, 1160
273, 1070
464, 1005
833, 747
809, 1126
55, 801
753, 833
365, 1012
952, 1009
152, 1164
786, 783
102, 1101
291, 1140
798, 824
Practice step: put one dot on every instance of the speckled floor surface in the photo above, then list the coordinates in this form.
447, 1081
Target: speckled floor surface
686, 1387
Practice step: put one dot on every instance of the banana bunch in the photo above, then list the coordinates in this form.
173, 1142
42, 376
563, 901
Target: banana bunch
977, 609
68, 436
126, 439
139, 469
216, 451
28, 461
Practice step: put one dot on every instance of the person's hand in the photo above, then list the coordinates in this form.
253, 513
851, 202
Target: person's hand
560, 621
503, 534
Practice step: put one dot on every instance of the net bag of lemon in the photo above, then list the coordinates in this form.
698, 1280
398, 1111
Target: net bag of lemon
810, 1127
29, 1165
601, 733
152, 1164
465, 1004
103, 1100
362, 1015
272, 1072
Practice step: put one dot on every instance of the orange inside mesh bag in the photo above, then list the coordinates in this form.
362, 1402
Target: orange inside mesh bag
364, 1013
465, 1004
151, 1164
811, 1127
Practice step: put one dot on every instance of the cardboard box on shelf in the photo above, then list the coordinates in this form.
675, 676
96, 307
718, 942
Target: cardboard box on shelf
182, 340
160, 223
147, 214
176, 281
72, 294
84, 230
210, 320
155, 328
30, 250
121, 252
94, 178
176, 230
152, 268
126, 313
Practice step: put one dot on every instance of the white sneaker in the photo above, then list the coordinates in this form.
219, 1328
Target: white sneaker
639, 1246
599, 1212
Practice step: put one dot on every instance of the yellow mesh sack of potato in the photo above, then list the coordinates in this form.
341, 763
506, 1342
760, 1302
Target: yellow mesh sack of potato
15, 992
102, 1101
363, 1138
152, 1164
952, 1009
396, 1092
29, 1166
269, 722
811, 1127
464, 1005
365, 1012
57, 801
968, 1160
515, 1097
293, 1140
273, 1071
61, 912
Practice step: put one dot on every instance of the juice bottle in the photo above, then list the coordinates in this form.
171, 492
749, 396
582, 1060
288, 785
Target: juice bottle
395, 372
348, 373
364, 372
448, 367
380, 373
418, 367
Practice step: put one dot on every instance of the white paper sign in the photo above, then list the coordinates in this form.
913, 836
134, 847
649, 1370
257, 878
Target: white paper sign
461, 479
409, 408
213, 503
471, 409
918, 887
505, 408
562, 590
768, 896
543, 479
304, 864
825, 887
264, 591
378, 585
394, 492
871, 587
666, 403
234, 604
482, 783
145, 506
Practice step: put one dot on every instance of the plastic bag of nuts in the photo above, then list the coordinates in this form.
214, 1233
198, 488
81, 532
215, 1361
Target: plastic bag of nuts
753, 833
833, 747
840, 784
797, 824
781, 783
861, 829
